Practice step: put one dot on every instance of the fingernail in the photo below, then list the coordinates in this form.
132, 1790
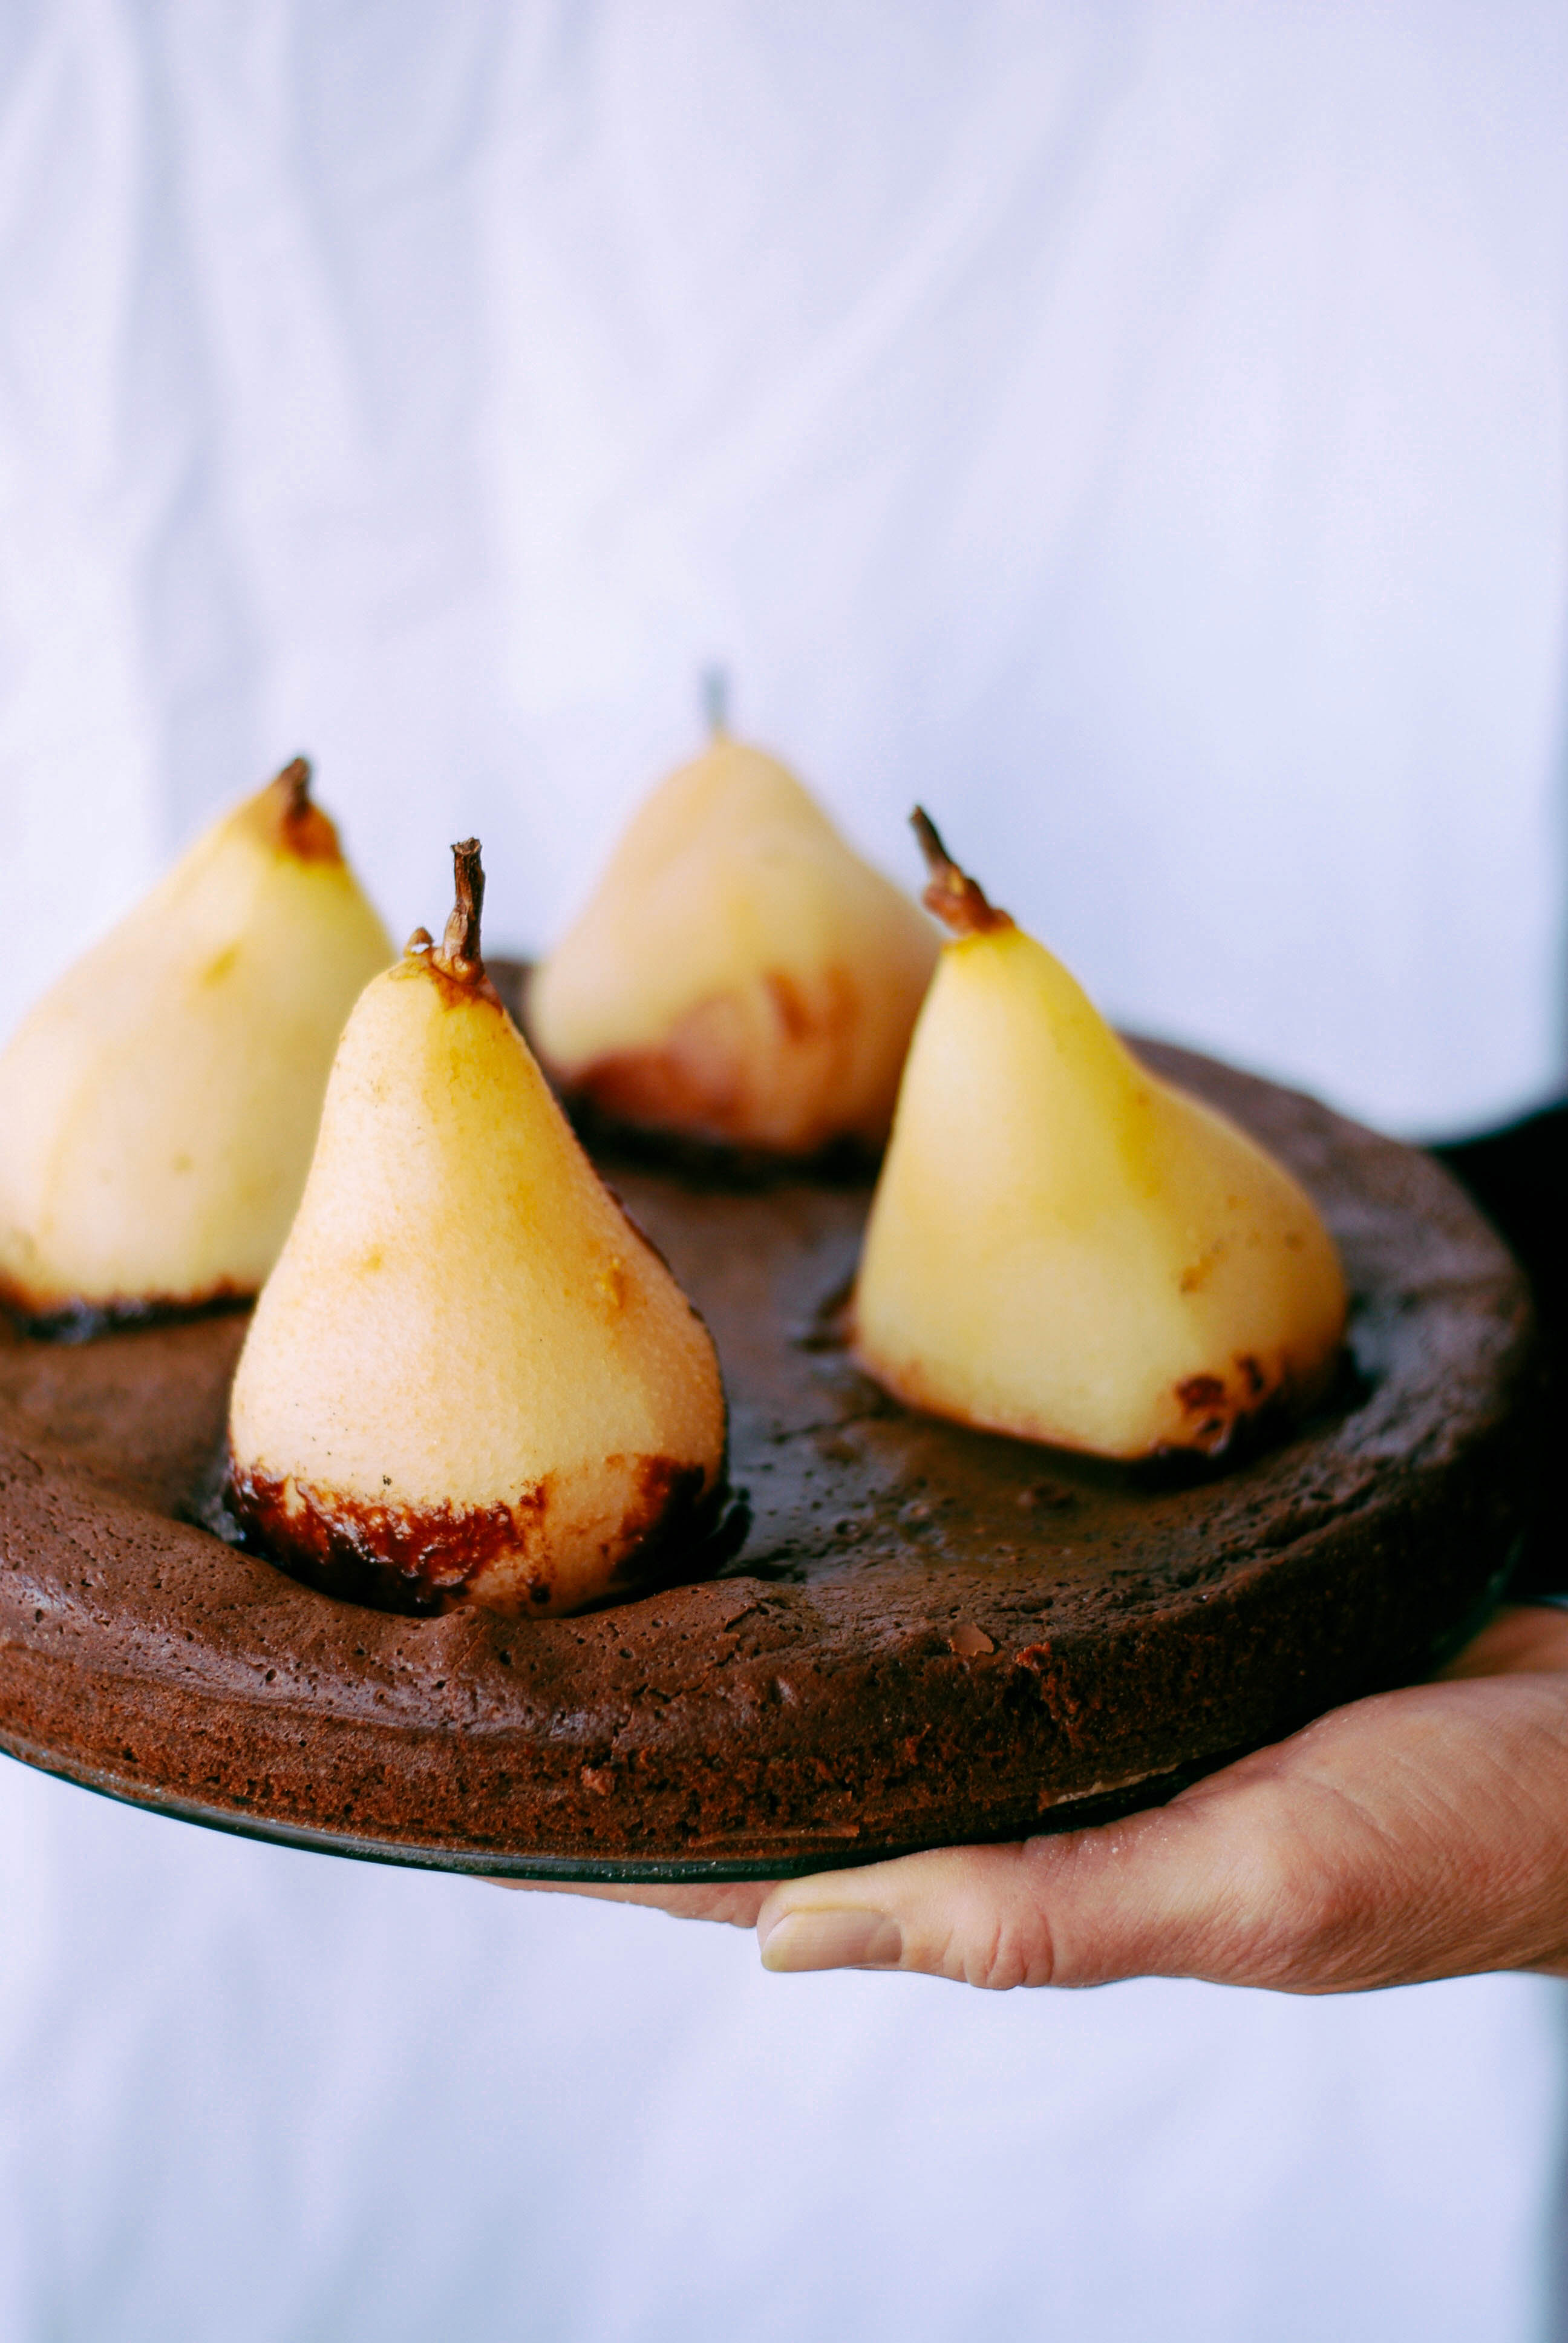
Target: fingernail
832, 1940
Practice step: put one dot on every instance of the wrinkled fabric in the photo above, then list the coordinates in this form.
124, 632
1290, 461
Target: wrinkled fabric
1136, 431
1139, 432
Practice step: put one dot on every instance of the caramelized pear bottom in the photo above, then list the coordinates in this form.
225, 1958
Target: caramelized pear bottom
930, 1635
404, 1558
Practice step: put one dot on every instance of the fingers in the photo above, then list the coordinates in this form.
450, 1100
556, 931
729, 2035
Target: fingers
1421, 1835
736, 1903
1521, 1637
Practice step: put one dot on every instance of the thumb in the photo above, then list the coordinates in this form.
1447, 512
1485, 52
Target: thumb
1181, 1891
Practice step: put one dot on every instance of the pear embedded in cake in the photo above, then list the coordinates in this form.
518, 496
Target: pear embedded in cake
1062, 1245
740, 976
158, 1105
469, 1377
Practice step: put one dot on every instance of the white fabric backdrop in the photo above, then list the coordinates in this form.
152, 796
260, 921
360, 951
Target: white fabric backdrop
261, 2098
1138, 430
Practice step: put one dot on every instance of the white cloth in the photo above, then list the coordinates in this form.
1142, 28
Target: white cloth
260, 2098
1137, 431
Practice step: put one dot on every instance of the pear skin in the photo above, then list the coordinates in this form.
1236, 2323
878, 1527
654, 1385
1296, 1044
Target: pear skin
740, 976
1064, 1247
158, 1105
469, 1377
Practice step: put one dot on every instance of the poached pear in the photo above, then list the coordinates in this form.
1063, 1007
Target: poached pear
159, 1105
1062, 1245
739, 975
469, 1377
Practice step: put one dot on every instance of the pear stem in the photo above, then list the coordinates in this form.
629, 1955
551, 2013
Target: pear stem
291, 823
716, 701
956, 898
461, 944
292, 785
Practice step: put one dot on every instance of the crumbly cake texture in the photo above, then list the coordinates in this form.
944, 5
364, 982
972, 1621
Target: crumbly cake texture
929, 1636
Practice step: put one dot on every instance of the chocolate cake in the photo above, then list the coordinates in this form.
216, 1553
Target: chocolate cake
930, 1635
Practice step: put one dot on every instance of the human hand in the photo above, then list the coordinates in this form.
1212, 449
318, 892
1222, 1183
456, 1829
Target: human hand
1421, 1833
